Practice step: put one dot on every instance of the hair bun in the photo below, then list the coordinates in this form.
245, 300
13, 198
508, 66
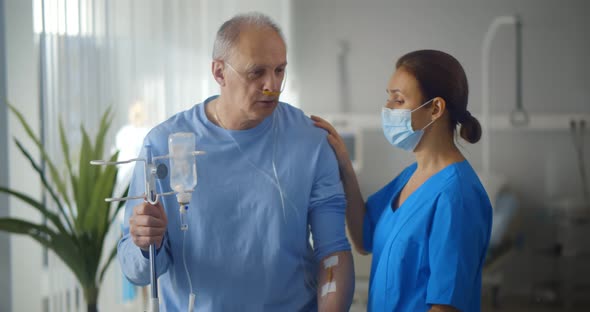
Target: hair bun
465, 117
470, 128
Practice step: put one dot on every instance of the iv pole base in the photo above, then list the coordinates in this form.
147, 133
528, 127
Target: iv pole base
154, 305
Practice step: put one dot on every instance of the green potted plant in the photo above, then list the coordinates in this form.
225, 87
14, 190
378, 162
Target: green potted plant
76, 228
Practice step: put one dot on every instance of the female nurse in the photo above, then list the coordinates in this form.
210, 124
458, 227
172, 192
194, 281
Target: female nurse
429, 228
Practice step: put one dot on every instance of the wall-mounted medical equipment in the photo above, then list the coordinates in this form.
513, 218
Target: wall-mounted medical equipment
577, 132
349, 131
519, 116
343, 81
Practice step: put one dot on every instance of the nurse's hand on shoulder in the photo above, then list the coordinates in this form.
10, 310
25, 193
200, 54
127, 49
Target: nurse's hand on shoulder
147, 225
335, 141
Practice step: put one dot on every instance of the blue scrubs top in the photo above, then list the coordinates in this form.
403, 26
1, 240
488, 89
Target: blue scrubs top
432, 248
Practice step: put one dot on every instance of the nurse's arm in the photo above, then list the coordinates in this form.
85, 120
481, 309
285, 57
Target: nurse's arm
336, 282
442, 308
355, 208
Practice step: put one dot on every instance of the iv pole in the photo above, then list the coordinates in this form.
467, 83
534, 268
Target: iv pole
151, 196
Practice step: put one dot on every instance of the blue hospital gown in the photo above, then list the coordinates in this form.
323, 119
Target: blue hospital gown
246, 251
432, 248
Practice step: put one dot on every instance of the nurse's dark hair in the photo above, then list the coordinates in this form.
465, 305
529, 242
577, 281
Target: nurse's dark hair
441, 75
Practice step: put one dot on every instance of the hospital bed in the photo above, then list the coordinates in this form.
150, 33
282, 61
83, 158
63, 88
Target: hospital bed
505, 240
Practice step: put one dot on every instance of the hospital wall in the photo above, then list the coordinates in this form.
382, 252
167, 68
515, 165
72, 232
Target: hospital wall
540, 164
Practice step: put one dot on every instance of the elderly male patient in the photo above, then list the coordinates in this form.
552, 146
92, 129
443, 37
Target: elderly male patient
266, 222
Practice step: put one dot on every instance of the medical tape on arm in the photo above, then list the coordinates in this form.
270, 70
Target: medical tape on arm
329, 265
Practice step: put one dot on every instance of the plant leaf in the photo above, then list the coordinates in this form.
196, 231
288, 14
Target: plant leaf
39, 171
105, 124
65, 148
120, 205
98, 212
59, 184
54, 218
17, 226
61, 244
87, 174
80, 242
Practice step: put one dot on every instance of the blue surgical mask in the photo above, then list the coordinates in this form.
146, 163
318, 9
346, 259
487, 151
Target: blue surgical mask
397, 127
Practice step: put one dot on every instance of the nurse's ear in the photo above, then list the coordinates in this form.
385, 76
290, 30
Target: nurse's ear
438, 107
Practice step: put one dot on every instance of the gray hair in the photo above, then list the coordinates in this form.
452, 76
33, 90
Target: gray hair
229, 32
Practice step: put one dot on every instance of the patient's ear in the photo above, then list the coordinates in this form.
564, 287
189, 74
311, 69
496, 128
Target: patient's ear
439, 106
217, 71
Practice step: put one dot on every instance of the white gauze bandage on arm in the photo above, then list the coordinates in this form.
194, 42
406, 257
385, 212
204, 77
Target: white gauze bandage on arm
329, 265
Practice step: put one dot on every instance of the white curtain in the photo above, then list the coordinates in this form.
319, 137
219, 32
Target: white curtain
151, 57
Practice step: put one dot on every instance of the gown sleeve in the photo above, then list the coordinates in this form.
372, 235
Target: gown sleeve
327, 207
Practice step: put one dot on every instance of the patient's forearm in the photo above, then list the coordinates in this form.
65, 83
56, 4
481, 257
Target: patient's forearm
336, 283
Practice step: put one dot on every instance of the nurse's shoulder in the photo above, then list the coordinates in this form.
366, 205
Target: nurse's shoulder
463, 192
